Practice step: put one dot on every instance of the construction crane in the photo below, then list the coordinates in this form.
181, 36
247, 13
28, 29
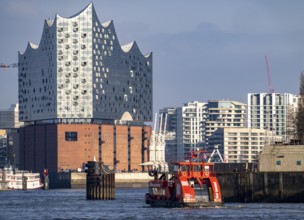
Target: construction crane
5, 66
271, 89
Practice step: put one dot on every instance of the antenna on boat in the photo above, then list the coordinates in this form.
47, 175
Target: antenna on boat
216, 151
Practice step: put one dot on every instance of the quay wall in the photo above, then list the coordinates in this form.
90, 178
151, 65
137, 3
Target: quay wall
262, 186
235, 186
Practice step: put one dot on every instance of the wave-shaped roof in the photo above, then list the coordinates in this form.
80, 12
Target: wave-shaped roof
49, 23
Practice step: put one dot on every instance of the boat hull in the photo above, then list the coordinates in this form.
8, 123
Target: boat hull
174, 204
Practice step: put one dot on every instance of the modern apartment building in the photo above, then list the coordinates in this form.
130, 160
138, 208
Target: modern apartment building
169, 113
189, 119
9, 118
272, 111
223, 114
80, 71
239, 144
9, 121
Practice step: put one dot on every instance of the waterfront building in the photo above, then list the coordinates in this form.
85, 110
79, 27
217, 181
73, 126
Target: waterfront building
9, 118
239, 145
223, 114
171, 149
189, 119
282, 158
80, 71
83, 96
65, 147
3, 150
273, 111
9, 122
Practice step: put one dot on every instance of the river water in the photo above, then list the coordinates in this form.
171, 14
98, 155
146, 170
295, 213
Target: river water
129, 204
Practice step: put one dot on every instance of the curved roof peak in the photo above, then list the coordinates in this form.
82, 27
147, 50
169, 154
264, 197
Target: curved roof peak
32, 45
148, 55
128, 47
49, 22
107, 23
133, 46
83, 10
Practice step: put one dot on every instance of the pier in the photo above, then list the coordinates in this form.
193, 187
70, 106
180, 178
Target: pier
100, 182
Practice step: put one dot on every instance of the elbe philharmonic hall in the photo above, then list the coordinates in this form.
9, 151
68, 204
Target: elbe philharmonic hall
82, 95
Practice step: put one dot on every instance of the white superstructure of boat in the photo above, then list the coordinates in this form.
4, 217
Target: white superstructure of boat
19, 179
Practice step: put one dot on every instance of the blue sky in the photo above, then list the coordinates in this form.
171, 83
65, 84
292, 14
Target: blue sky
202, 50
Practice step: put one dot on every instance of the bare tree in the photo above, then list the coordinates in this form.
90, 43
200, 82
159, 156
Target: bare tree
300, 113
291, 123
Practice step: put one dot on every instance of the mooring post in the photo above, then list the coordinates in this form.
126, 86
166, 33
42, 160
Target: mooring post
100, 182
281, 188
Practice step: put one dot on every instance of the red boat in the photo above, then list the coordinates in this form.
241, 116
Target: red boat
193, 184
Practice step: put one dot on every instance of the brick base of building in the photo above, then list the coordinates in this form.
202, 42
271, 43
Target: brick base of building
67, 147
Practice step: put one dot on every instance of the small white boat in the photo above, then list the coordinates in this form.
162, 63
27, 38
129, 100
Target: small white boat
19, 179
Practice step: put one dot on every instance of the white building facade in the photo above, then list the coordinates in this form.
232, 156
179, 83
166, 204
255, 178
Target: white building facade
223, 114
80, 71
239, 144
189, 119
9, 119
272, 111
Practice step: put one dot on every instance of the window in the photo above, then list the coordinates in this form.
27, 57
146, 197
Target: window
71, 136
278, 162
299, 162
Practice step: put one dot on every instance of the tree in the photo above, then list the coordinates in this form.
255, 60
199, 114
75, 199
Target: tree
300, 113
291, 123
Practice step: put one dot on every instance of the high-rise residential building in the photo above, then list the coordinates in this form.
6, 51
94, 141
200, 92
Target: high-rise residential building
223, 114
80, 71
169, 113
239, 144
189, 129
9, 118
83, 97
272, 111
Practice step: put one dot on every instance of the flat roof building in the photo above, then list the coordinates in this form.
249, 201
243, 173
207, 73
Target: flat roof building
282, 158
272, 111
188, 127
239, 144
9, 118
223, 114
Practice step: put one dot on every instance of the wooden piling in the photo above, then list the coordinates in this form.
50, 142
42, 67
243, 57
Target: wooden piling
100, 182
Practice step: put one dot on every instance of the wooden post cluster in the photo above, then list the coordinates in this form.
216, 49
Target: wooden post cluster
100, 182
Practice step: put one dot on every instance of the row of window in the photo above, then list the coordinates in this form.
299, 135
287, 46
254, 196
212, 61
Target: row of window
298, 162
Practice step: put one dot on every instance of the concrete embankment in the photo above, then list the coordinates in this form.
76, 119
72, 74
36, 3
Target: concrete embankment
78, 180
235, 186
262, 187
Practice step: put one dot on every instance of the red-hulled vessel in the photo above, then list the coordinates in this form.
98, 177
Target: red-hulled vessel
193, 184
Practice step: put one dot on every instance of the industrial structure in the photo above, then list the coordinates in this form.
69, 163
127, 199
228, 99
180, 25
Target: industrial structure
282, 158
157, 146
